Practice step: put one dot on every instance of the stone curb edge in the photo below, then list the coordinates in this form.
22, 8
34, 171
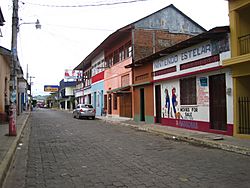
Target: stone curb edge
5, 164
193, 140
214, 144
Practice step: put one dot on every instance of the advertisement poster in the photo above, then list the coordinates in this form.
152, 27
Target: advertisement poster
170, 106
203, 91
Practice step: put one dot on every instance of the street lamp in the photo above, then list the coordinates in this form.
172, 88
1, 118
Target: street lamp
37, 24
14, 64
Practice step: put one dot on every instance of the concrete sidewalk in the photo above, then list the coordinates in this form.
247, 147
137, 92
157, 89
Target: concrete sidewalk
8, 144
227, 143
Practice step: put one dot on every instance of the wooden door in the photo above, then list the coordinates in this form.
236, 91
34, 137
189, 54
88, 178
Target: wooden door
217, 98
126, 105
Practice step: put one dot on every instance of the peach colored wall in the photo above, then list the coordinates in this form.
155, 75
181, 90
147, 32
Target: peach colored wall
4, 72
112, 76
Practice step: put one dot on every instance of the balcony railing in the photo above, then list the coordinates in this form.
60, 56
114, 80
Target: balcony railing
244, 42
244, 115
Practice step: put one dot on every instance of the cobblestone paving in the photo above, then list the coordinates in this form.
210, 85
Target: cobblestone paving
67, 152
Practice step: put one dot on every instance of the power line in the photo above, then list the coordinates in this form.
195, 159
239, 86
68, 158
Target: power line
77, 27
85, 5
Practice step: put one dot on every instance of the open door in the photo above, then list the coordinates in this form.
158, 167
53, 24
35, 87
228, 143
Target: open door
158, 104
142, 105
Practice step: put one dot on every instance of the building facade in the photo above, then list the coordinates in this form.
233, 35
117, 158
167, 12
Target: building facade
179, 27
5, 58
22, 95
192, 90
66, 94
239, 13
189, 85
135, 41
97, 83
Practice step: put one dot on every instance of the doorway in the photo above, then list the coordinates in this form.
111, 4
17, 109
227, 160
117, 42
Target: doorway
126, 105
217, 96
158, 104
109, 104
142, 105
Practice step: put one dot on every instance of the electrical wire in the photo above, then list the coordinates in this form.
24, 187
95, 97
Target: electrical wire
84, 5
76, 27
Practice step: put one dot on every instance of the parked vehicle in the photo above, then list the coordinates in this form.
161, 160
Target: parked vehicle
84, 110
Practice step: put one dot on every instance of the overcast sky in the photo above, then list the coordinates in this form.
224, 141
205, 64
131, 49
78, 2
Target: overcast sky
69, 34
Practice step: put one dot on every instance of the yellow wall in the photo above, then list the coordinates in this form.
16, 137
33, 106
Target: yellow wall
239, 14
243, 86
4, 73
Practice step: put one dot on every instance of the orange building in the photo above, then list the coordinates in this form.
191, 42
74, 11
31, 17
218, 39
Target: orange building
179, 29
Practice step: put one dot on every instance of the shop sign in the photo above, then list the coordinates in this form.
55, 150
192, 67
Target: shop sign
190, 54
51, 88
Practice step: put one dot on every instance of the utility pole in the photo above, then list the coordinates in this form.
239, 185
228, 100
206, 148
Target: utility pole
31, 98
13, 74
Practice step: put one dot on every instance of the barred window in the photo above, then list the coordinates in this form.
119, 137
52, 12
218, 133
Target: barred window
188, 94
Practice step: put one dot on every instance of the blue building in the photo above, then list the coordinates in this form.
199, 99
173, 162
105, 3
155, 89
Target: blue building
66, 95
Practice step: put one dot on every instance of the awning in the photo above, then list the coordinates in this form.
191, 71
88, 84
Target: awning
124, 89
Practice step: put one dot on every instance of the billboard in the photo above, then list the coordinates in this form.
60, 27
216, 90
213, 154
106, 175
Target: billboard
72, 75
51, 88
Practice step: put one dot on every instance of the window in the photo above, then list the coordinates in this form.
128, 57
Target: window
109, 61
128, 50
116, 57
188, 91
124, 51
121, 54
115, 101
87, 77
125, 80
87, 106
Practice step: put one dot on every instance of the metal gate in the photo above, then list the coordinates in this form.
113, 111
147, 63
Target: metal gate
244, 115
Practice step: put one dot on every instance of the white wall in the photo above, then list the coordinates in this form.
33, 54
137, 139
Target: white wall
199, 112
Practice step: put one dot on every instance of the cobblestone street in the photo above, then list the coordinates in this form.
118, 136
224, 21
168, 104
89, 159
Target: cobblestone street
67, 152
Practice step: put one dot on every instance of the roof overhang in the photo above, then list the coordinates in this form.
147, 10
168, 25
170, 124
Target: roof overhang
103, 46
124, 89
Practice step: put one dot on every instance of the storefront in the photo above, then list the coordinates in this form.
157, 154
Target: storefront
97, 97
192, 90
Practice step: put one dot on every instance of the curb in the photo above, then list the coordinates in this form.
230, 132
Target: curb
192, 140
204, 142
5, 164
